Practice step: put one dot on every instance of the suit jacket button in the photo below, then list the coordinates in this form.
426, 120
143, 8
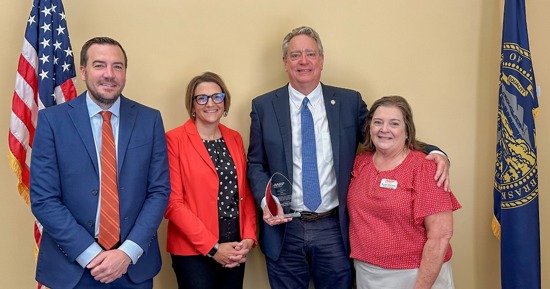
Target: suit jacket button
90, 223
95, 192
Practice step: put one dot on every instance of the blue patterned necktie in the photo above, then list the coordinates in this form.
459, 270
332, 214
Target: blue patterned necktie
310, 175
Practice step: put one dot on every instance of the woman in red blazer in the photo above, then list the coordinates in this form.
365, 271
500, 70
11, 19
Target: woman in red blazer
211, 213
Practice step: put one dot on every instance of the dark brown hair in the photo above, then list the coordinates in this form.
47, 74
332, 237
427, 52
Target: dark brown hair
100, 41
402, 104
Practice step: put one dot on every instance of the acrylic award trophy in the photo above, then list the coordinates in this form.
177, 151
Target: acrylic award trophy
279, 191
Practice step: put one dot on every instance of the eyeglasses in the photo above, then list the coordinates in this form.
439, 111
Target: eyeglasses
295, 55
202, 99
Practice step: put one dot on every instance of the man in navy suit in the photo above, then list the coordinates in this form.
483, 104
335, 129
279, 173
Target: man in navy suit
65, 180
315, 245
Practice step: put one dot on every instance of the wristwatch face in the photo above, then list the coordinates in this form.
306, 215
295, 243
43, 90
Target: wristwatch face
213, 251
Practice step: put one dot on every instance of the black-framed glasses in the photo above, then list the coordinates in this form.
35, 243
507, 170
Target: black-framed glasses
217, 98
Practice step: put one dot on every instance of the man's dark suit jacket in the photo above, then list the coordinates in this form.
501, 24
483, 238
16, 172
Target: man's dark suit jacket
270, 150
65, 185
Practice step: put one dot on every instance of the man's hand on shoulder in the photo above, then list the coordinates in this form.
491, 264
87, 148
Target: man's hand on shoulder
110, 265
442, 173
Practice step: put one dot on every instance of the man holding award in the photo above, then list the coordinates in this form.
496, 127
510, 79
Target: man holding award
303, 139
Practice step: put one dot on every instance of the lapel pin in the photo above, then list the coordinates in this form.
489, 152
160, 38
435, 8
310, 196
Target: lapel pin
333, 102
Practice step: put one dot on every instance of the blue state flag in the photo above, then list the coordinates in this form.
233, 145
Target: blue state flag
516, 203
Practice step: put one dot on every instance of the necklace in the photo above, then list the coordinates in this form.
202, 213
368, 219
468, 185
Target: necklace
211, 136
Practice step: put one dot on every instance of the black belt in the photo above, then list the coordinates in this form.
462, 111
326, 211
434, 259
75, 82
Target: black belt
311, 216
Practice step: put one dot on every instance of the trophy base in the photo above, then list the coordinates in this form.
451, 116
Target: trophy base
292, 215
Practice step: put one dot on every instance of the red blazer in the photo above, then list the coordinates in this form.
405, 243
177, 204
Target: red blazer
192, 211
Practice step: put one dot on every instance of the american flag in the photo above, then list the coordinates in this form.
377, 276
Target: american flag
45, 77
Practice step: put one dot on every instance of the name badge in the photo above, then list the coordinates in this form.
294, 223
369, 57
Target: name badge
388, 184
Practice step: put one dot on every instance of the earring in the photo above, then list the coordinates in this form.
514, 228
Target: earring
193, 115
225, 113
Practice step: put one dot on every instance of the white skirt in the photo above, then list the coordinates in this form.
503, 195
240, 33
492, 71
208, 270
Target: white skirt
373, 277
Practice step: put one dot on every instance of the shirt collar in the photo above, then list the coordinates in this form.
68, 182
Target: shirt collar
94, 109
297, 97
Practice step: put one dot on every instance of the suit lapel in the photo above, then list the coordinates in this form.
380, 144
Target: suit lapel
198, 145
128, 115
282, 113
81, 120
332, 106
231, 141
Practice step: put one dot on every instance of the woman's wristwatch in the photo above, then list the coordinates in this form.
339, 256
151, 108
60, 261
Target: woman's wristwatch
212, 252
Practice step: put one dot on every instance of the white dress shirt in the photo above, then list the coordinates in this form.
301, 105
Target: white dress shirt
325, 161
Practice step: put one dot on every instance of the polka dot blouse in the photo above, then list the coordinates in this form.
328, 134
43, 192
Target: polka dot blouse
228, 195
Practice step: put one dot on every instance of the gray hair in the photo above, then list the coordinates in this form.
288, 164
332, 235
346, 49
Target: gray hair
304, 30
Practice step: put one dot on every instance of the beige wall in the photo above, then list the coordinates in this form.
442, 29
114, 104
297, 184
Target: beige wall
442, 55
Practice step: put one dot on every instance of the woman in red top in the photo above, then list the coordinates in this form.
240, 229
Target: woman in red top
401, 222
211, 214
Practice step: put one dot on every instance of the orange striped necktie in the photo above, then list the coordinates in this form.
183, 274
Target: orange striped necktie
109, 217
